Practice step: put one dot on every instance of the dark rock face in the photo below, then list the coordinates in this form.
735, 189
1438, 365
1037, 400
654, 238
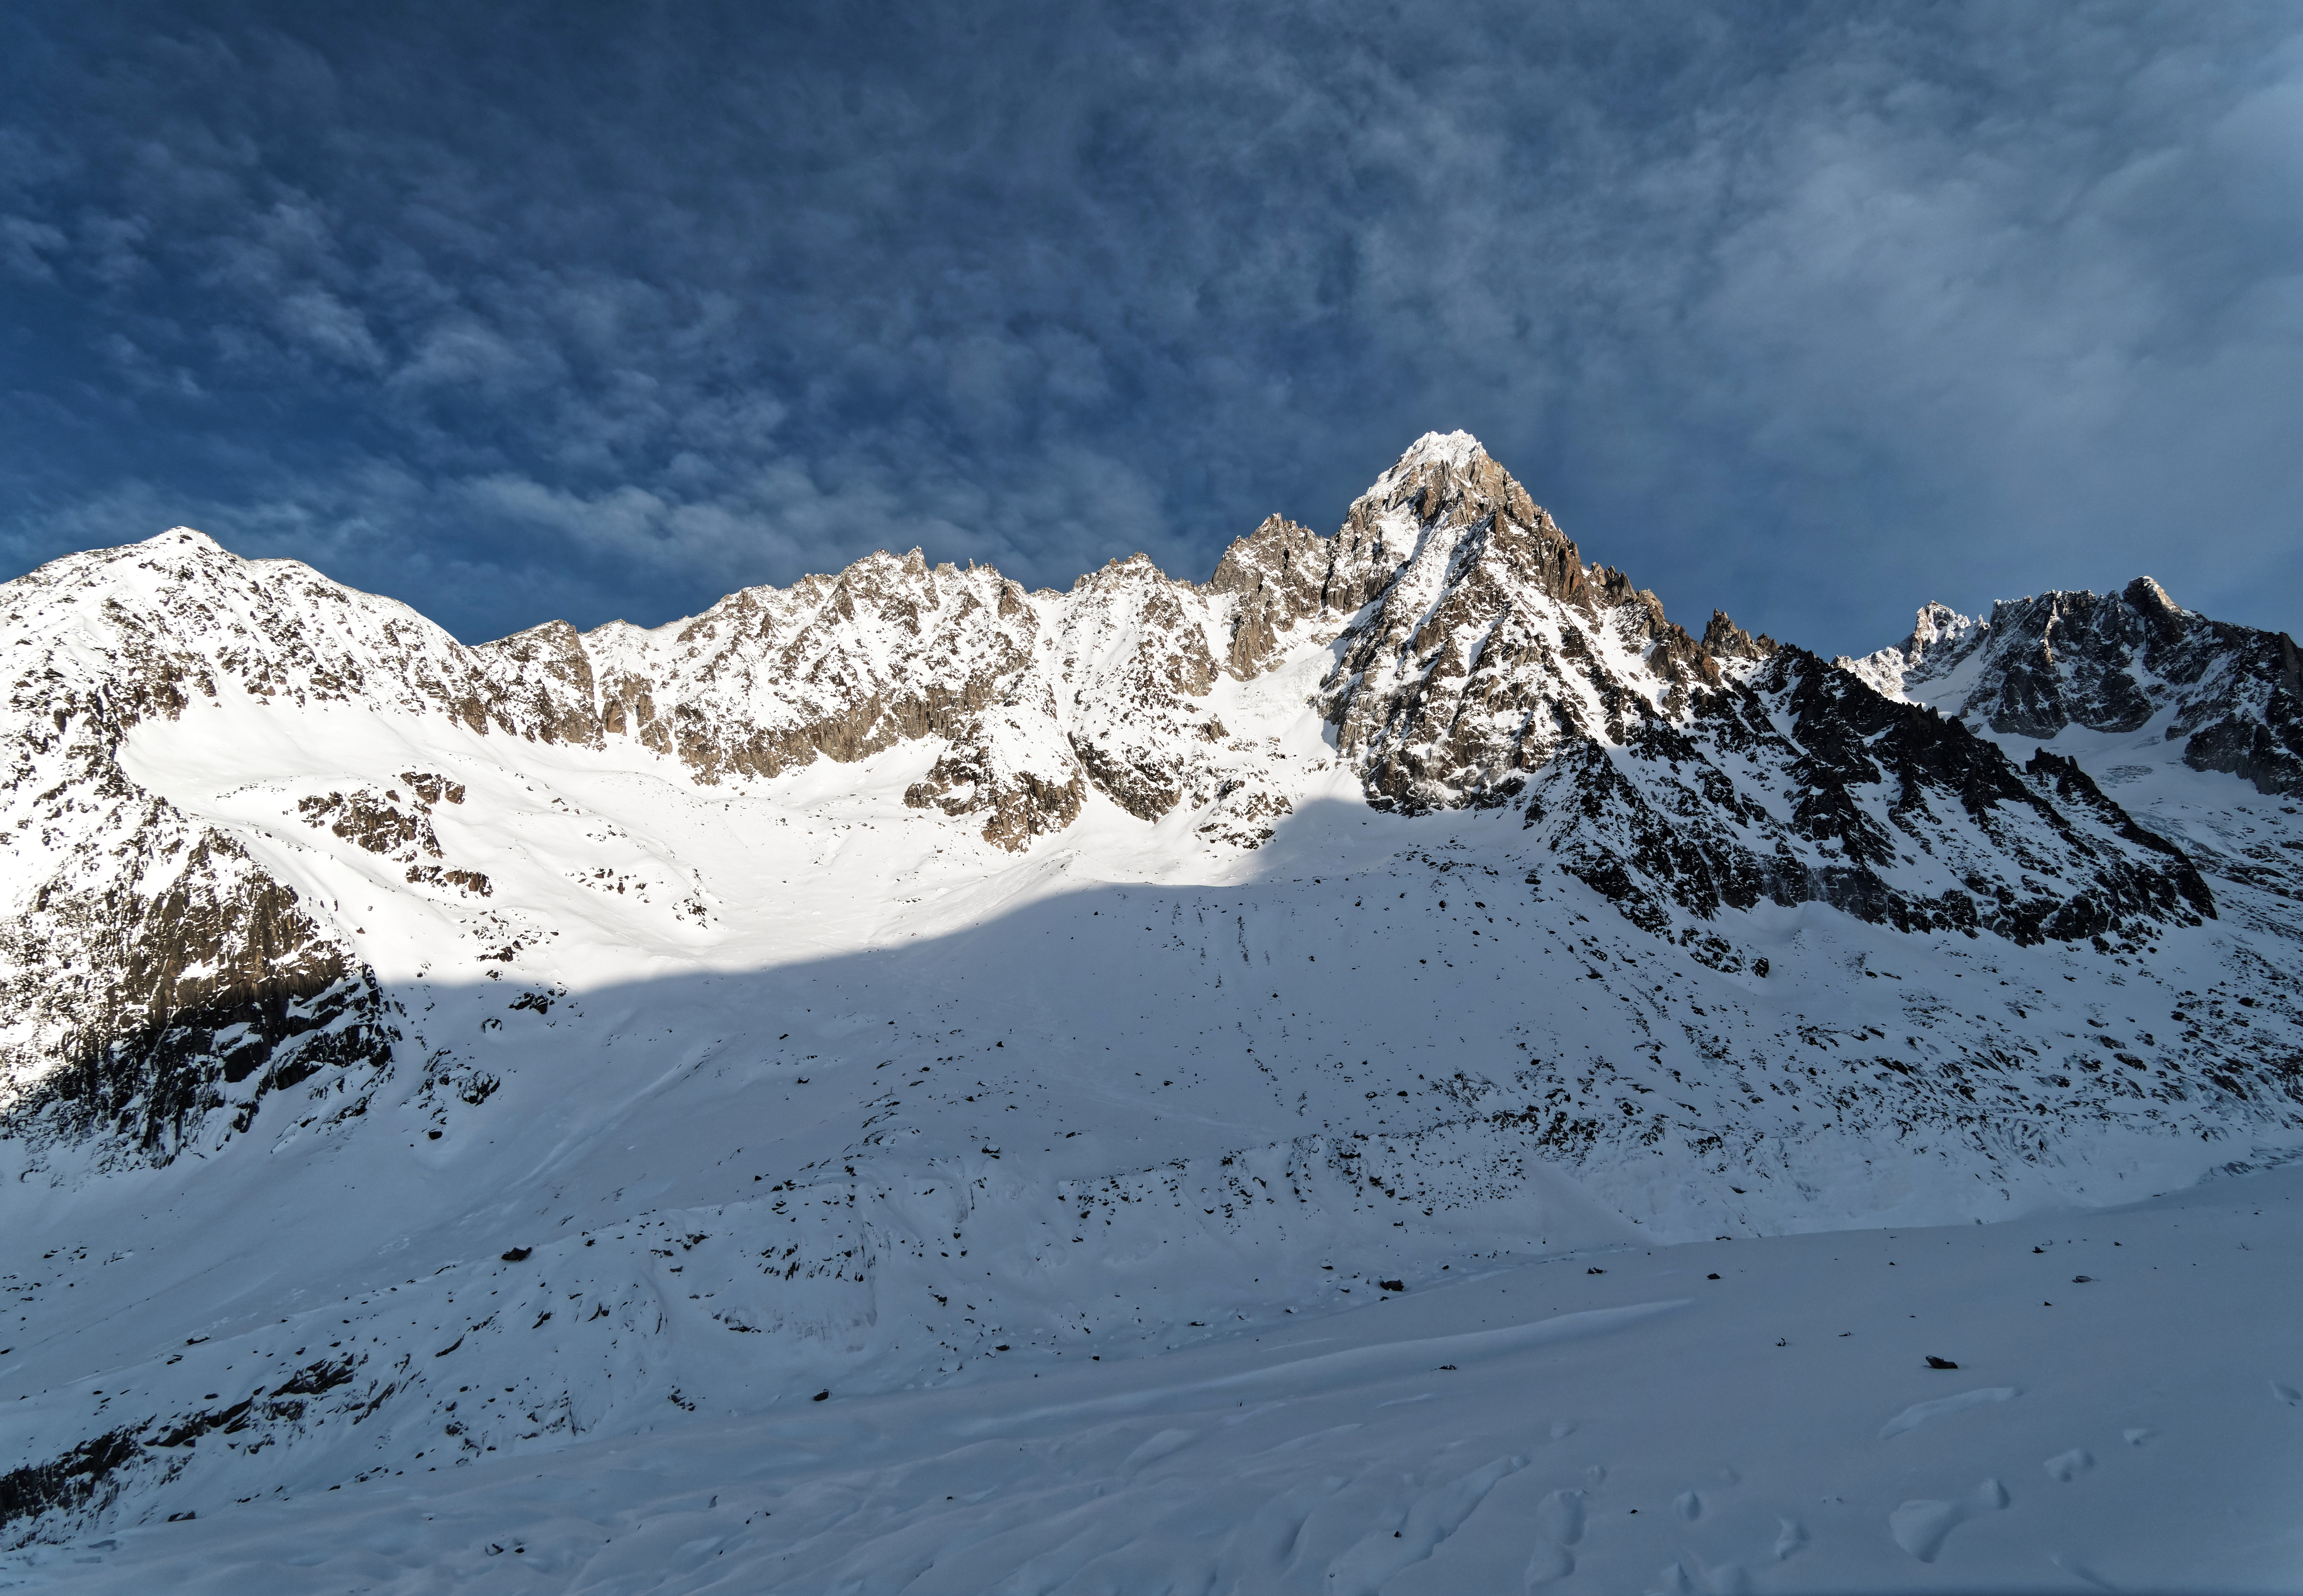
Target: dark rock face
2110, 662
159, 985
1895, 815
2256, 732
46, 1501
168, 979
374, 821
83, 1480
2064, 659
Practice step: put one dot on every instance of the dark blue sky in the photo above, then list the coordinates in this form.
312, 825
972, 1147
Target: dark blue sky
520, 312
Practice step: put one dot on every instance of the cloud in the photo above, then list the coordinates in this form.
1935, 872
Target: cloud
1808, 313
25, 244
468, 356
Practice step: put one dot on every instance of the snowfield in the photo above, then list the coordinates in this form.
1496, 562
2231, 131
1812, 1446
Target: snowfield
900, 1084
1714, 1416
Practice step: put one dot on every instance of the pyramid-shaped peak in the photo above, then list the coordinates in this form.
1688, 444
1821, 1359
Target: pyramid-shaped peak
1445, 476
2146, 595
1441, 448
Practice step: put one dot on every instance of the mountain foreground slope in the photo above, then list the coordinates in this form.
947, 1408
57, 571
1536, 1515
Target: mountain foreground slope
420, 1057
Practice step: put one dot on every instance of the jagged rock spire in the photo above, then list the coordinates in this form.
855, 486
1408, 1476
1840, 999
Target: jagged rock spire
1724, 639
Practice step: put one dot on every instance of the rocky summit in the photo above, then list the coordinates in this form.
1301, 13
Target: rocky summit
416, 1055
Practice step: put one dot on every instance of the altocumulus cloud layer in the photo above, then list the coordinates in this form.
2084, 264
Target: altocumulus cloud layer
1809, 312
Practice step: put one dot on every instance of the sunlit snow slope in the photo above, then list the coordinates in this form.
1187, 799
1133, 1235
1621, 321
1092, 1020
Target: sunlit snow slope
420, 1056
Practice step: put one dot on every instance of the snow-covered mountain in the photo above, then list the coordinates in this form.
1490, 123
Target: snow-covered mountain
2117, 663
413, 1051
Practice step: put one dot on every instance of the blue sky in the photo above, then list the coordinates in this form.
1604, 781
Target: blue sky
1809, 312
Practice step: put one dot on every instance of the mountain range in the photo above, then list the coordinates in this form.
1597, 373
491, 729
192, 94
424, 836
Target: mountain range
413, 1051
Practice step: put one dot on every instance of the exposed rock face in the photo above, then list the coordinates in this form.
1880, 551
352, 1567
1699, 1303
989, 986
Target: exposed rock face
197, 989
374, 821
1007, 763
2110, 663
841, 667
1496, 663
1728, 641
1895, 815
1492, 645
157, 975
1038, 696
1279, 572
544, 682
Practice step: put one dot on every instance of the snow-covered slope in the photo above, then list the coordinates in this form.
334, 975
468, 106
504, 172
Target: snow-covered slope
415, 1053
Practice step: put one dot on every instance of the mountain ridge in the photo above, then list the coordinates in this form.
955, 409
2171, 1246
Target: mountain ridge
2037, 665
